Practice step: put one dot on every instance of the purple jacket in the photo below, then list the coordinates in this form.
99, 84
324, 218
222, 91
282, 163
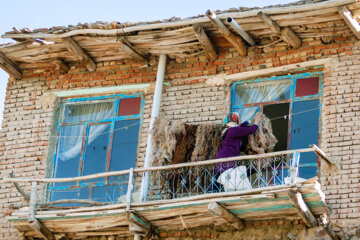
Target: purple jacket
232, 143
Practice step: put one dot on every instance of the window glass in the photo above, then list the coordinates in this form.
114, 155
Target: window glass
80, 112
248, 113
262, 92
123, 153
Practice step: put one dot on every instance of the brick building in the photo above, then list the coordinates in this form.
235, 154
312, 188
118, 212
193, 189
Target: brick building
80, 101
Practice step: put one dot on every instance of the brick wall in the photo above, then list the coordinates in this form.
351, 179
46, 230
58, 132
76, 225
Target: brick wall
25, 133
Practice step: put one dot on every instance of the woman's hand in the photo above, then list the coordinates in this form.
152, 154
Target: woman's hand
257, 118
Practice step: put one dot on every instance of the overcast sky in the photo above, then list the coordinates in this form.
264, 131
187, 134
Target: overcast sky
44, 13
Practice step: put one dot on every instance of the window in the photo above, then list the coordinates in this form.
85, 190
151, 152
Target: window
96, 135
292, 102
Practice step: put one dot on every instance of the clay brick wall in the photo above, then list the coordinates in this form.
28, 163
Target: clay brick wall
25, 134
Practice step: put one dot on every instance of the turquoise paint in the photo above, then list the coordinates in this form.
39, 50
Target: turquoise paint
140, 220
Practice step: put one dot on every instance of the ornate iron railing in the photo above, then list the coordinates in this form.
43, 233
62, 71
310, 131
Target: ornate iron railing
186, 180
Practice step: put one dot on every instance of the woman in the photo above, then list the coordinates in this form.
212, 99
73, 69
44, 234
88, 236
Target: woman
233, 137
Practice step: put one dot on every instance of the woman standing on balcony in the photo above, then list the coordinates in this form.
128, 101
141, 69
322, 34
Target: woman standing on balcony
233, 138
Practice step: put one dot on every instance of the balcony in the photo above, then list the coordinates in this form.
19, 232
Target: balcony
257, 187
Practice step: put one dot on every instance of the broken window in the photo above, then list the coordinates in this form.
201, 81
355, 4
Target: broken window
293, 105
96, 135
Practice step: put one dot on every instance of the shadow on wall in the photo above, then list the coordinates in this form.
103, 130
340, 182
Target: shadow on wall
3, 83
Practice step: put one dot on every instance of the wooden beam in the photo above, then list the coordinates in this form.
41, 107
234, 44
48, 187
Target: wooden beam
291, 237
10, 67
350, 20
237, 28
323, 220
301, 208
205, 42
83, 57
20, 190
62, 66
234, 40
132, 50
323, 156
222, 212
286, 33
33, 222
138, 225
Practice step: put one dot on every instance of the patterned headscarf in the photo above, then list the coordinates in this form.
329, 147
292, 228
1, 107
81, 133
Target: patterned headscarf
231, 120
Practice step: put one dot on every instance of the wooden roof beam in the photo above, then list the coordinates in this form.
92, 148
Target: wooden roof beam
133, 51
350, 20
286, 33
205, 42
10, 67
301, 208
83, 57
237, 28
138, 225
234, 40
222, 212
62, 66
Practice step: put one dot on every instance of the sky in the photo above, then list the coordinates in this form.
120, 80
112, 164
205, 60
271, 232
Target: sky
44, 14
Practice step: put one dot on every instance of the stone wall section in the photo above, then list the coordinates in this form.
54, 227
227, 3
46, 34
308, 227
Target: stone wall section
25, 135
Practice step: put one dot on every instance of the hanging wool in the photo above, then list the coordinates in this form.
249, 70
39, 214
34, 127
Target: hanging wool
263, 141
185, 143
208, 141
164, 140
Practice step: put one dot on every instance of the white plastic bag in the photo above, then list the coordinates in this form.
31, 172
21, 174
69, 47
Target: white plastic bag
235, 179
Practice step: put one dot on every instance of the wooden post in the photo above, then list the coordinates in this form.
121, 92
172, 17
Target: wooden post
240, 31
234, 40
10, 67
286, 34
322, 155
302, 209
350, 21
33, 222
83, 57
294, 168
130, 189
137, 237
222, 212
205, 42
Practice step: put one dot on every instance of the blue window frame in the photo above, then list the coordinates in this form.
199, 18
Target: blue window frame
95, 135
292, 102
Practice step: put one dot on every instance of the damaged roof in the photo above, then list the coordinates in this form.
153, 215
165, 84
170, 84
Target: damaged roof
104, 41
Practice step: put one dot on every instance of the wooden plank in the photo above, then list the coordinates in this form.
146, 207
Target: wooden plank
222, 212
10, 67
132, 50
350, 21
302, 209
205, 42
83, 57
286, 33
323, 156
235, 41
62, 66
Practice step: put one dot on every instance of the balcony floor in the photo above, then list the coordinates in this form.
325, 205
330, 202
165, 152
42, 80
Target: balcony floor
251, 205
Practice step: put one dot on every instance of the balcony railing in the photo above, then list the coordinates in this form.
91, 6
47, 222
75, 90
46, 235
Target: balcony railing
180, 181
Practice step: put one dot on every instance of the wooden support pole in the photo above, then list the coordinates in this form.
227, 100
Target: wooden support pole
33, 222
222, 212
10, 67
130, 189
205, 42
83, 57
63, 67
350, 20
133, 51
20, 190
137, 237
323, 156
234, 40
291, 237
138, 225
301, 208
240, 31
323, 220
286, 33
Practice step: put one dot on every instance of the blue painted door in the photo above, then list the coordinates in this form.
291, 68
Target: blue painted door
305, 131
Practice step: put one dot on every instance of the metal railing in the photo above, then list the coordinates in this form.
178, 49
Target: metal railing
186, 180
